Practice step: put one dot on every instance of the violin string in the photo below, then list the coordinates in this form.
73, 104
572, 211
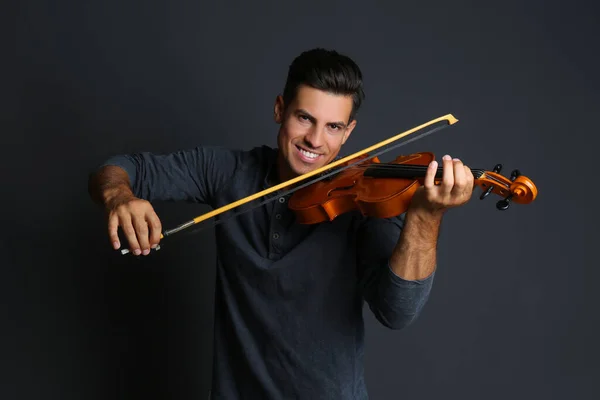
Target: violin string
407, 167
301, 186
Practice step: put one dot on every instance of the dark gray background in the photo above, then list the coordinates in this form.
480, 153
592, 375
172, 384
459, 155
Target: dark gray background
513, 311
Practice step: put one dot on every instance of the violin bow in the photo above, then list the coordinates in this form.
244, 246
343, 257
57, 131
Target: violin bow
437, 124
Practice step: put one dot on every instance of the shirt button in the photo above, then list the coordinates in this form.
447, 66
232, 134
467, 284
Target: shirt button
282, 199
276, 236
278, 216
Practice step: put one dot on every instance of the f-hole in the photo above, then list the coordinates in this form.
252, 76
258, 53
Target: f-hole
331, 192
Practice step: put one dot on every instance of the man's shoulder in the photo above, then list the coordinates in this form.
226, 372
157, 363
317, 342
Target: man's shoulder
253, 154
257, 156
227, 163
235, 172
237, 158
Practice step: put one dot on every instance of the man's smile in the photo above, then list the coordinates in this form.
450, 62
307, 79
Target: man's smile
307, 156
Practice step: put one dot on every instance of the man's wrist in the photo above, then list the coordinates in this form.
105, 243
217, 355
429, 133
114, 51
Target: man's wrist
114, 196
424, 226
425, 215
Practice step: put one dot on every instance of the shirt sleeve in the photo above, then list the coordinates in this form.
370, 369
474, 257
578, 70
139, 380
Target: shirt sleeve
194, 175
395, 302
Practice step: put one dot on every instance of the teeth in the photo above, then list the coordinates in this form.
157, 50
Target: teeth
308, 154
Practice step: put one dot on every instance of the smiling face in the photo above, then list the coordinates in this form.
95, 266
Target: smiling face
314, 126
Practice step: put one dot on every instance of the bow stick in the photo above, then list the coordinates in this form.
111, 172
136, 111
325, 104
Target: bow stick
441, 123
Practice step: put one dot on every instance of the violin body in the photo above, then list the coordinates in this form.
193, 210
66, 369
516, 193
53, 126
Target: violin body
385, 190
360, 188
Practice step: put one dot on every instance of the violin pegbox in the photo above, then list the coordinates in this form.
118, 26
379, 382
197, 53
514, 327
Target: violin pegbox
517, 188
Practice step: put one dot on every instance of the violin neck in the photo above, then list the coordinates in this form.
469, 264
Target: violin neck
405, 171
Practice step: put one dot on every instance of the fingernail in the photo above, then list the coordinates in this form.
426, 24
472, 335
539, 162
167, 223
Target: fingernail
456, 159
137, 252
446, 157
146, 251
154, 246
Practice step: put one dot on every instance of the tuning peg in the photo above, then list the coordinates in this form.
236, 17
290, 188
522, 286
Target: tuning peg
515, 174
505, 203
486, 193
497, 168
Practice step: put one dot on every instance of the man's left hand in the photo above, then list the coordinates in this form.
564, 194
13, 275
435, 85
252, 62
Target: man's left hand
454, 189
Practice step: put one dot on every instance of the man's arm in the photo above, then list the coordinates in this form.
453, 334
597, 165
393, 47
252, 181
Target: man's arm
108, 182
388, 261
126, 184
407, 246
415, 255
188, 175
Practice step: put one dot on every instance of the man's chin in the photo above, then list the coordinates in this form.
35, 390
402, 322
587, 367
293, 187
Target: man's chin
304, 168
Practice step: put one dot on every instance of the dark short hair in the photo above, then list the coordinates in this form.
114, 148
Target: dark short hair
325, 70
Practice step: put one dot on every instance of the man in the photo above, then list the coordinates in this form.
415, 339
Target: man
289, 297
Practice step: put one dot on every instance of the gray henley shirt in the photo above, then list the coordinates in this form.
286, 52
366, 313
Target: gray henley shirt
289, 297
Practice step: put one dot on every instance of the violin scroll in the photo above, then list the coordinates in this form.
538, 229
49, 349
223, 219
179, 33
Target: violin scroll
517, 188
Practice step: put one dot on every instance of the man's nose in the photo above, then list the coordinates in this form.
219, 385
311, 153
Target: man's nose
316, 137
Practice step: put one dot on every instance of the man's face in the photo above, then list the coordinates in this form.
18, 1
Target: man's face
314, 126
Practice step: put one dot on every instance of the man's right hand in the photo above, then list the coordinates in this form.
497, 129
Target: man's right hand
138, 221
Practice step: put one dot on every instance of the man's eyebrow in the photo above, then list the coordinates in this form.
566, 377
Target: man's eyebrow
313, 119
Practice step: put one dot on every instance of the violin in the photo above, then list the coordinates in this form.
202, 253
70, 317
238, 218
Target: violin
385, 190
362, 182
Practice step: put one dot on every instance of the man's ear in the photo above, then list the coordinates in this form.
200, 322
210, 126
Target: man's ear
278, 109
349, 130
